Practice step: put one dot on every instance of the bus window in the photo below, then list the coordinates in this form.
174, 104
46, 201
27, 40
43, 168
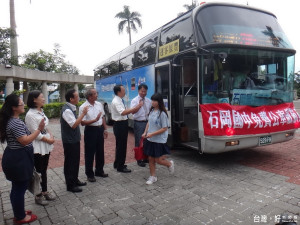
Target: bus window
127, 63
162, 83
148, 40
104, 72
146, 55
181, 29
261, 30
97, 73
248, 77
114, 67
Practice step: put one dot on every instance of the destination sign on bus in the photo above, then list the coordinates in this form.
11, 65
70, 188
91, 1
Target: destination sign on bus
171, 48
246, 39
217, 118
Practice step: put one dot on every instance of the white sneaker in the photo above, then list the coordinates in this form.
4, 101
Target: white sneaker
151, 180
171, 168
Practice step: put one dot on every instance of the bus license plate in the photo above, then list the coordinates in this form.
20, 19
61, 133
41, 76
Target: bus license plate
265, 140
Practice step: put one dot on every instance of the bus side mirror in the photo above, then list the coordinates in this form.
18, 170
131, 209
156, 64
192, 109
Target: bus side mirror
223, 56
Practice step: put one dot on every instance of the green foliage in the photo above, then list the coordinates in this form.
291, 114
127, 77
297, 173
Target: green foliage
5, 53
18, 92
48, 62
2, 85
297, 82
52, 110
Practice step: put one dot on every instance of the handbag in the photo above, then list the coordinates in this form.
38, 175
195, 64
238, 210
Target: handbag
34, 185
139, 151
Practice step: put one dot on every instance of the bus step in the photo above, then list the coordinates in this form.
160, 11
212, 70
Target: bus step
192, 145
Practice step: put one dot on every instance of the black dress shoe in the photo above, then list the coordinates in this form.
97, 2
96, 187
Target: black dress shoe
101, 175
115, 167
80, 183
91, 179
124, 170
141, 163
74, 189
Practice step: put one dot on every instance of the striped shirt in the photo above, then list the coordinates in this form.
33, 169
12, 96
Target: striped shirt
16, 128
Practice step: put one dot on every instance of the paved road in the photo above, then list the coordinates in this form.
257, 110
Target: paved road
251, 186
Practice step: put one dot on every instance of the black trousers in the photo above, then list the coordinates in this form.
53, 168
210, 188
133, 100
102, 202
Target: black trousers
121, 133
41, 165
93, 149
71, 165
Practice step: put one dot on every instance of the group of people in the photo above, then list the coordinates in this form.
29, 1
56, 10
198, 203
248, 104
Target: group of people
29, 144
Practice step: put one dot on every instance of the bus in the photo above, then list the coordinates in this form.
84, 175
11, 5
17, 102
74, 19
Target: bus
225, 72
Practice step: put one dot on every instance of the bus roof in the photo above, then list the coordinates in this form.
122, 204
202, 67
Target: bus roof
193, 12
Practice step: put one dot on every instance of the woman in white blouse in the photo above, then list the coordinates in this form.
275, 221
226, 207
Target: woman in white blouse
42, 145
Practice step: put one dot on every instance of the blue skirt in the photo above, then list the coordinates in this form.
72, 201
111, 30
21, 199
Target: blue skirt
155, 150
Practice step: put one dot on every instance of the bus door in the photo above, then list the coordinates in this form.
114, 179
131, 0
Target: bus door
187, 102
162, 86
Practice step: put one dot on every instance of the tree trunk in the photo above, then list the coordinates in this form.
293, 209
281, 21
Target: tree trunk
13, 40
129, 32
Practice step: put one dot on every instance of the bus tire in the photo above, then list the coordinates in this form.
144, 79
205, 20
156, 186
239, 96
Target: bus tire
108, 119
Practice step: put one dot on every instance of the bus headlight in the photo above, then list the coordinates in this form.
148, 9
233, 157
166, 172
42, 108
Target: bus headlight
232, 143
289, 134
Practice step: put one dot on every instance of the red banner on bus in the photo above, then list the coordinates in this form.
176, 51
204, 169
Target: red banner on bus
225, 119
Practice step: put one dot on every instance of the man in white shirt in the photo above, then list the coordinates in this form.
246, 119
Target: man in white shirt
70, 135
119, 115
94, 133
141, 116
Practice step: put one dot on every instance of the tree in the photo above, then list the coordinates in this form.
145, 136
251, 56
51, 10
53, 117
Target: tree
130, 19
48, 62
189, 7
297, 82
5, 52
13, 38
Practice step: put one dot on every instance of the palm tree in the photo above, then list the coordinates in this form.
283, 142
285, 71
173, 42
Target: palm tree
13, 38
189, 7
128, 18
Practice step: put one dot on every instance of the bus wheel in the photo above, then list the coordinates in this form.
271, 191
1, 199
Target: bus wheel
107, 115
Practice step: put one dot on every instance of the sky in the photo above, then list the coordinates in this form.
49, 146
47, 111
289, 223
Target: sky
87, 30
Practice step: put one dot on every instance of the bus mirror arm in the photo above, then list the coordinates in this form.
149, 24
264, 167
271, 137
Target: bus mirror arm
176, 65
205, 50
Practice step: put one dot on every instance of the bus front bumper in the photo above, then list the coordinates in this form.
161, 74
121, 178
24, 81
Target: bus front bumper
215, 144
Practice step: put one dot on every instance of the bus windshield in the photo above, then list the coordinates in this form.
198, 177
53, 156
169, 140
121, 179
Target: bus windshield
248, 77
237, 25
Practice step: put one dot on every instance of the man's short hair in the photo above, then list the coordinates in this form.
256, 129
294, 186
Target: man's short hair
89, 93
143, 86
70, 94
117, 88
